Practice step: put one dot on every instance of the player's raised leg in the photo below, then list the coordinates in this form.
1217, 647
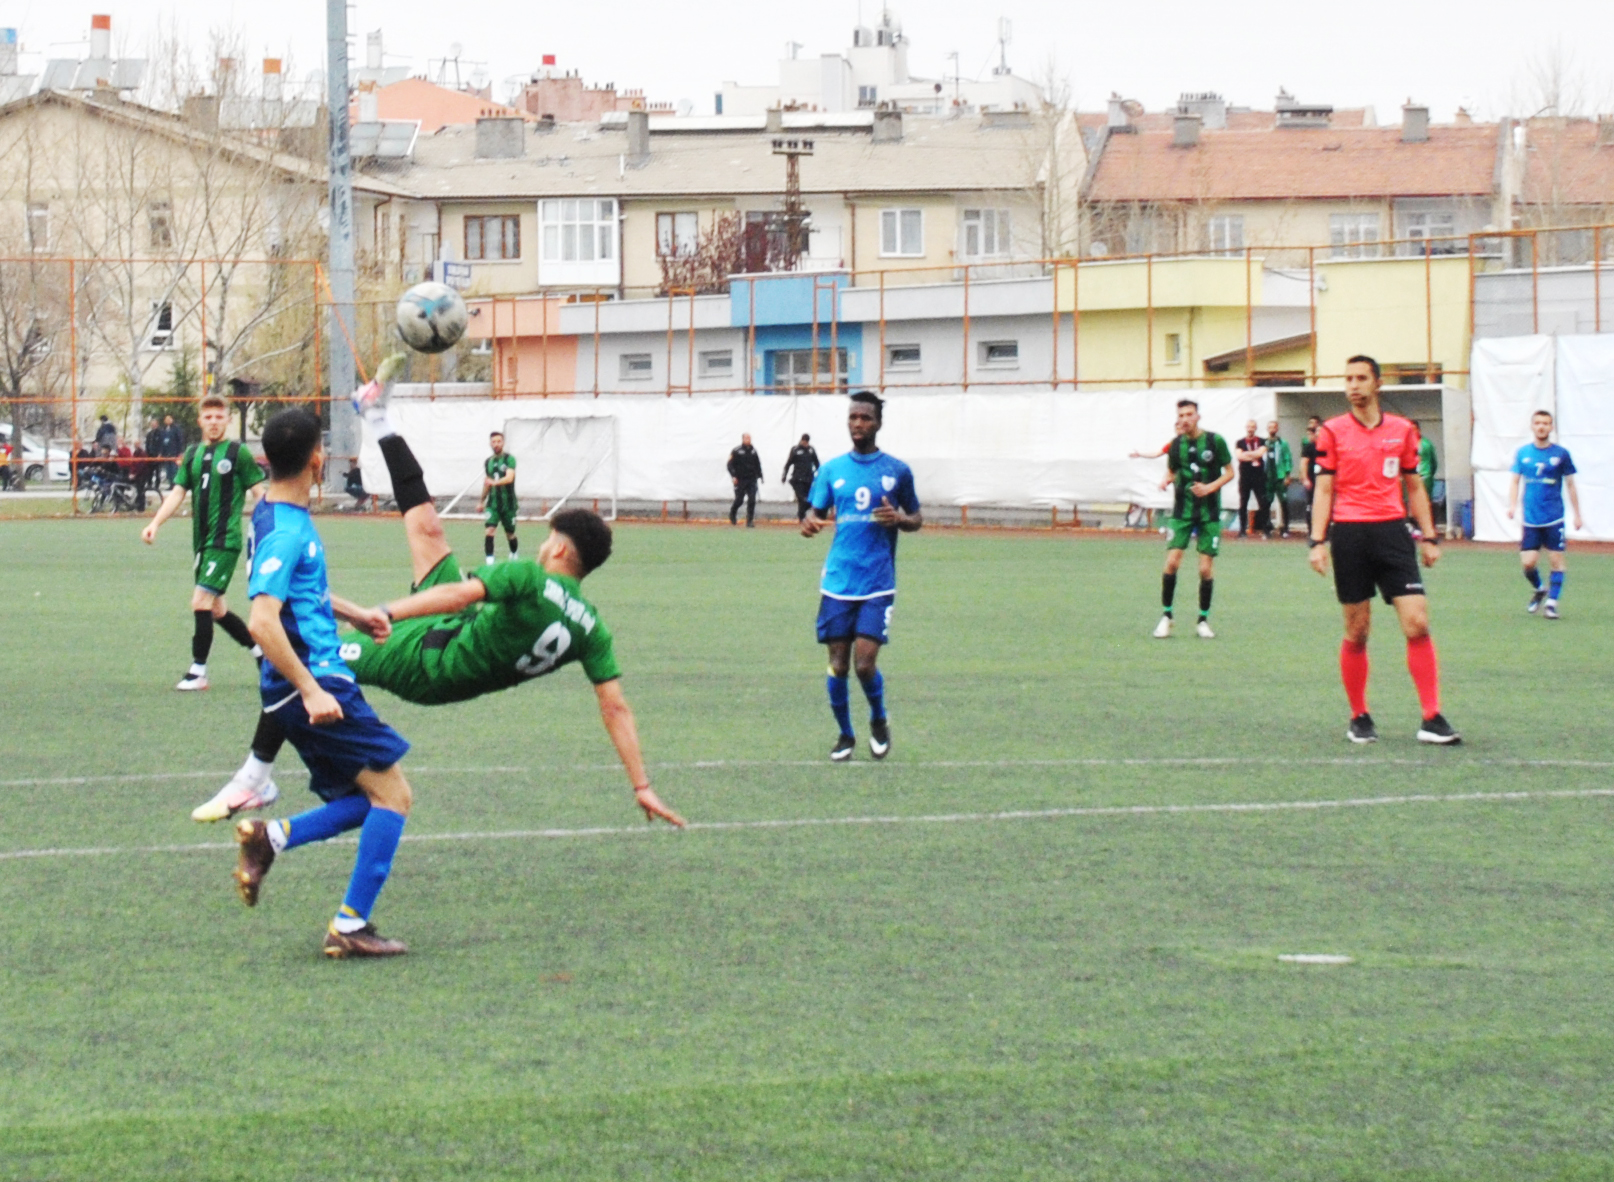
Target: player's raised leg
428, 545
253, 785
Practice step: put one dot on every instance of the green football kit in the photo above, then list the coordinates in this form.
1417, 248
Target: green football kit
501, 497
530, 623
1196, 461
217, 476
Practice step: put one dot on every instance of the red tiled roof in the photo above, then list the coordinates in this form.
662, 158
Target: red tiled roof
1297, 162
1564, 165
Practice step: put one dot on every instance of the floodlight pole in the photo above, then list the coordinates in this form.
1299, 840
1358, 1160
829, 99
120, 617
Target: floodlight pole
340, 272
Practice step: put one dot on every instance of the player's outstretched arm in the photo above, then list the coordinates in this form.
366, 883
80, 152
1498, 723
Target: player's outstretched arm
1148, 455
270, 634
170, 506
619, 724
372, 621
437, 601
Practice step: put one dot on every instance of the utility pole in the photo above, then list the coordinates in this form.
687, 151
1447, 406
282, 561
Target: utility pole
795, 216
340, 270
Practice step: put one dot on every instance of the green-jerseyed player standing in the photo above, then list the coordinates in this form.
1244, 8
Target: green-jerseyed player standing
498, 496
223, 480
1199, 463
456, 638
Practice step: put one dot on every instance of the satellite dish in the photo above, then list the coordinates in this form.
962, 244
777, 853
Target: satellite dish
685, 106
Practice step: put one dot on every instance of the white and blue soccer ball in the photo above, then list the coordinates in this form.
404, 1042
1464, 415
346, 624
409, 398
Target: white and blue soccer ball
431, 317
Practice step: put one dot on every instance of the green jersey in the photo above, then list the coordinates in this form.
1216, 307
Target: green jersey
1280, 462
501, 497
1427, 464
530, 623
1197, 461
218, 476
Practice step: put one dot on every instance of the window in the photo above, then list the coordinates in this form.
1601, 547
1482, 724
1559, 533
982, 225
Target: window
1174, 348
161, 333
1421, 227
1000, 354
636, 367
160, 218
900, 357
719, 363
902, 233
1225, 235
868, 96
492, 238
578, 231
677, 234
797, 369
38, 225
1352, 235
986, 233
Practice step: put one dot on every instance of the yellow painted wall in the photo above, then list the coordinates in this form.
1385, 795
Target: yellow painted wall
1174, 283
1120, 347
1377, 307
641, 266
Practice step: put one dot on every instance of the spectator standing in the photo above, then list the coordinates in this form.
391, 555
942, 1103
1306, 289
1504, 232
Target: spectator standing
1308, 463
800, 468
156, 438
1428, 462
745, 469
1280, 466
173, 445
106, 435
1251, 454
5, 463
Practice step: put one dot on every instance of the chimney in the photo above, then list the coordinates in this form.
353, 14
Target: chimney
638, 137
1208, 105
501, 138
370, 107
1185, 130
1605, 131
774, 121
1118, 116
100, 37
372, 50
1414, 124
272, 87
887, 125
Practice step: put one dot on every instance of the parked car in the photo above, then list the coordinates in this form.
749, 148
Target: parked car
36, 457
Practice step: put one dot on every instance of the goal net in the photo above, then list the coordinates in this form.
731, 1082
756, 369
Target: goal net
560, 460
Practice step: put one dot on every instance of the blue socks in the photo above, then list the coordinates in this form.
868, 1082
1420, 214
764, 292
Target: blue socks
1534, 576
378, 841
840, 703
874, 691
325, 822
1555, 588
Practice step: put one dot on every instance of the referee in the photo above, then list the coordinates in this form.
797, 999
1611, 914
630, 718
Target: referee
1366, 460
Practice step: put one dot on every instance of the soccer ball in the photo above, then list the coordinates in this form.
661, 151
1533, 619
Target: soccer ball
431, 317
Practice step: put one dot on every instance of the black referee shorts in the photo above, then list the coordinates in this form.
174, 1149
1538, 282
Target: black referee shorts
1374, 554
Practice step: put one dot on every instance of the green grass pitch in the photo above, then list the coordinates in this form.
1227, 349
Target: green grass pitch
1066, 996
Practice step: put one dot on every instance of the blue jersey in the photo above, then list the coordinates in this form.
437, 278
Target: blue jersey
862, 561
1542, 470
288, 562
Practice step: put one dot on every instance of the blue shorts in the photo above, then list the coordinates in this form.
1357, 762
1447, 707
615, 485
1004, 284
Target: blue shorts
337, 753
1543, 537
842, 619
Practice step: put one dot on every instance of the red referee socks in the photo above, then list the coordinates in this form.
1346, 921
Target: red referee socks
1353, 672
1425, 670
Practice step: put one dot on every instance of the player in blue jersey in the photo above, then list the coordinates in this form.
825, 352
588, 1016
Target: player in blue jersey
874, 499
1546, 472
352, 756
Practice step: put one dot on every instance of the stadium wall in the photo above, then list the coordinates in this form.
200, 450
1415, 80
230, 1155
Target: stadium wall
1016, 450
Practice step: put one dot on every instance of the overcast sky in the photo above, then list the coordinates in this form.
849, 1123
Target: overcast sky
1376, 52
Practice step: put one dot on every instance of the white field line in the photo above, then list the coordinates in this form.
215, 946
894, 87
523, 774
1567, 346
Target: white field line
721, 764
1134, 810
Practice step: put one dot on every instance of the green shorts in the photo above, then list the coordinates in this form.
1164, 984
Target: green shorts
215, 568
505, 517
1180, 531
406, 664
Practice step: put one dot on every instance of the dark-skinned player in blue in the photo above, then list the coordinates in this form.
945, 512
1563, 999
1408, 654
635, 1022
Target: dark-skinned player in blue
874, 500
